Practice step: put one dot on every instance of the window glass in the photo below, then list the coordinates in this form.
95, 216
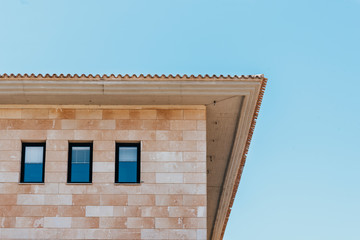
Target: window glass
80, 163
33, 163
127, 162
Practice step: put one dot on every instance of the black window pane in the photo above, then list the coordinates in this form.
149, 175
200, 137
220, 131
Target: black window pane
127, 162
33, 172
127, 171
80, 164
33, 162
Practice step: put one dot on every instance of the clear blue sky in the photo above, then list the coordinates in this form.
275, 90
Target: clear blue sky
302, 176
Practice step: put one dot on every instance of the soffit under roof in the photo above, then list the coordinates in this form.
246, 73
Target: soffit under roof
232, 104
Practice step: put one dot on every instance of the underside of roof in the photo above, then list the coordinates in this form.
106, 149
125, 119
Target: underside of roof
232, 104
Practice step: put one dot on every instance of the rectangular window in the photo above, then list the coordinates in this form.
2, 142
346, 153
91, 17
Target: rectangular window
32, 163
127, 164
80, 163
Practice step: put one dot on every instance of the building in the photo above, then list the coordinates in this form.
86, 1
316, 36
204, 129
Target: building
122, 157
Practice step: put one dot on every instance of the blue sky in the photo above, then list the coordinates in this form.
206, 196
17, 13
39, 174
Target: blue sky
301, 179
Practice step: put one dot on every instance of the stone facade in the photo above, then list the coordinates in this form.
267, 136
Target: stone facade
169, 203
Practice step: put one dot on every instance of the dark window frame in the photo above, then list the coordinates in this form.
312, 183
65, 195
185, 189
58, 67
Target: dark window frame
23, 148
75, 144
138, 146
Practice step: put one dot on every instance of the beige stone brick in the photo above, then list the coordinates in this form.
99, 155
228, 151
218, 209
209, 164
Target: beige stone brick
58, 200
99, 211
31, 113
31, 135
162, 156
162, 124
87, 135
48, 188
104, 156
112, 222
85, 222
115, 114
195, 114
57, 145
7, 222
201, 211
169, 200
59, 113
71, 211
56, 156
148, 177
10, 113
30, 199
86, 199
127, 211
138, 135
183, 146
170, 114
125, 233
180, 211
9, 177
113, 200
201, 234
188, 188
194, 135
152, 211
168, 167
103, 167
115, 135
140, 222
31, 124
104, 145
169, 135
181, 233
155, 145
183, 125
142, 114
110, 188
201, 146
95, 124
56, 166
55, 177
146, 188
169, 178
60, 134
103, 177
88, 114
29, 211
143, 200
201, 125
169, 222
72, 189
29, 222
12, 166
68, 124
194, 177
8, 199
194, 200
194, 156
10, 155
10, 145
194, 222
57, 222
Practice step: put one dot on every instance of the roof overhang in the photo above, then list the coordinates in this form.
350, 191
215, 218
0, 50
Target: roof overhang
232, 104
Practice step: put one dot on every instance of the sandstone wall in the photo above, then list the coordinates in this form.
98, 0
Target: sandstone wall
170, 203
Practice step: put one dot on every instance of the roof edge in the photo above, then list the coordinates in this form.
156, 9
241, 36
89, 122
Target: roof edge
127, 76
243, 158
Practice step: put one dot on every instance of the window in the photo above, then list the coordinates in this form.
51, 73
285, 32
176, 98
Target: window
32, 163
80, 163
127, 164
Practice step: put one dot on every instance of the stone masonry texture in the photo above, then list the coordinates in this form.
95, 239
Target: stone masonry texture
169, 203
